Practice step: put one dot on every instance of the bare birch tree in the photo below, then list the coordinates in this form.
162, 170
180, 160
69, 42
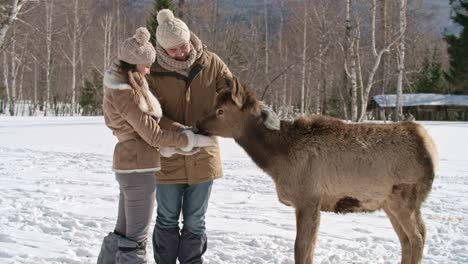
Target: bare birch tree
267, 47
33, 107
351, 58
283, 58
323, 44
377, 56
106, 24
401, 62
76, 31
49, 7
304, 54
383, 43
5, 80
346, 48
118, 26
359, 88
8, 14
16, 61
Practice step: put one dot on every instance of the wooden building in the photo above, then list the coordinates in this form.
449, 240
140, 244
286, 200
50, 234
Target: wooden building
448, 107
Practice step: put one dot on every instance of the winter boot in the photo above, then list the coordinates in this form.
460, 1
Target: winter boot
131, 252
166, 245
191, 248
108, 249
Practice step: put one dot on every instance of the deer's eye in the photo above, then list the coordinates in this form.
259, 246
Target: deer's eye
219, 112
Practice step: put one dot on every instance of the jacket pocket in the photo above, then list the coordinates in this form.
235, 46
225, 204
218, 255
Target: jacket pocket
172, 169
125, 155
146, 156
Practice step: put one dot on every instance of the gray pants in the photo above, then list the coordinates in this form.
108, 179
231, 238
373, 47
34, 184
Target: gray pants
127, 244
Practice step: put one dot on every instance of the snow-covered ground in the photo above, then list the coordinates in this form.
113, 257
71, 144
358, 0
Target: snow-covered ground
58, 199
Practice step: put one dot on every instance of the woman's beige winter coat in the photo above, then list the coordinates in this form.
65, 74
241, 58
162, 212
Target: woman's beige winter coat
136, 129
184, 101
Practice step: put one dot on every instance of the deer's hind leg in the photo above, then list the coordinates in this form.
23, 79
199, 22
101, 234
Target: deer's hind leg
404, 207
404, 241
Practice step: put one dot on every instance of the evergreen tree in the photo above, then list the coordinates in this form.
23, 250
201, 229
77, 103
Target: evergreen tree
91, 95
457, 74
430, 79
152, 22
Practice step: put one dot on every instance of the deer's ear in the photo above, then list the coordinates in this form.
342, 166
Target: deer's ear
270, 119
237, 91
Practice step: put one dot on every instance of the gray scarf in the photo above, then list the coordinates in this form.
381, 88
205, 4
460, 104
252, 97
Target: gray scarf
182, 67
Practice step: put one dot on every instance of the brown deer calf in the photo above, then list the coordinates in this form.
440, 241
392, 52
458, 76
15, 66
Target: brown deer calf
324, 164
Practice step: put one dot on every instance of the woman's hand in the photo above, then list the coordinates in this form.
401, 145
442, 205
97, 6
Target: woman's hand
197, 140
167, 152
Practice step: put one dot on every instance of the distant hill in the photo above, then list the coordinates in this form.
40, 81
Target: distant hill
438, 10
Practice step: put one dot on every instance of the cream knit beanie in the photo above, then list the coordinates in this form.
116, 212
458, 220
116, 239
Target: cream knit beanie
171, 31
137, 49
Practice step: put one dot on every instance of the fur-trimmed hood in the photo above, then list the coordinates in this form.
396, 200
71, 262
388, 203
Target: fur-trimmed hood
114, 80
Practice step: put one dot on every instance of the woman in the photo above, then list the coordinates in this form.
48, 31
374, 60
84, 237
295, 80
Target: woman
133, 113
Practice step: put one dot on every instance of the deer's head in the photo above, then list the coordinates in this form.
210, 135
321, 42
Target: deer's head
235, 110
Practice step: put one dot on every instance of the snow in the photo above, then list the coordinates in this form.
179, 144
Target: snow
58, 199
389, 100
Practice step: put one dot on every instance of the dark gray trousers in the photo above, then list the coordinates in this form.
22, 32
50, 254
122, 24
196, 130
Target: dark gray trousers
136, 204
127, 244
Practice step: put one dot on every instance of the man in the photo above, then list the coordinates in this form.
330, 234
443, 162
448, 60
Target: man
186, 78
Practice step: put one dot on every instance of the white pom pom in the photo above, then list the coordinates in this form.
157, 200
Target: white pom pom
165, 15
142, 35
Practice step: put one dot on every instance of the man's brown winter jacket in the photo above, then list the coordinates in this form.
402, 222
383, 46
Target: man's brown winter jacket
184, 101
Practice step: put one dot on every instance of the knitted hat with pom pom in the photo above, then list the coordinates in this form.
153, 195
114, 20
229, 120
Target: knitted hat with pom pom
137, 49
171, 31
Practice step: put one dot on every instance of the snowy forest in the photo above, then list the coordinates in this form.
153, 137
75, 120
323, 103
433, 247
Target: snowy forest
61, 193
299, 56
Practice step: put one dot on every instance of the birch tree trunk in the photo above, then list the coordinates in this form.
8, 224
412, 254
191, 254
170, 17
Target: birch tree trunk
118, 29
304, 53
377, 55
383, 74
353, 76
20, 92
106, 24
321, 79
267, 62
13, 74
351, 56
49, 23
347, 58
32, 111
282, 56
401, 62
10, 18
73, 59
319, 70
5, 79
365, 88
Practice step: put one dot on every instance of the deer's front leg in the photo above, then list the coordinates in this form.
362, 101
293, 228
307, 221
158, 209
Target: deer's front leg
307, 224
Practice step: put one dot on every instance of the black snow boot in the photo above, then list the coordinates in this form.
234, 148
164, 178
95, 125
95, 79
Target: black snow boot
109, 248
131, 252
166, 245
191, 248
